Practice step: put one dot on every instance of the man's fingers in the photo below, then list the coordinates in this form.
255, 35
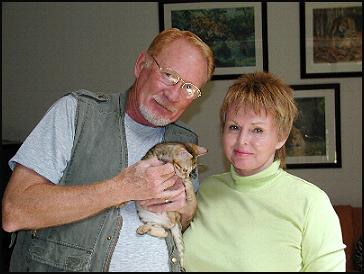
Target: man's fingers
170, 194
153, 161
164, 169
165, 205
167, 196
173, 183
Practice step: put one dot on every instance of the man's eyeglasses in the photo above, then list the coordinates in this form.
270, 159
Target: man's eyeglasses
171, 78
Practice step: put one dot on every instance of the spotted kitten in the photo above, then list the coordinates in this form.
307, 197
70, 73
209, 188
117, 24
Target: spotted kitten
183, 156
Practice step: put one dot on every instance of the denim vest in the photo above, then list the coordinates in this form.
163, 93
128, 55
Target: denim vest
99, 152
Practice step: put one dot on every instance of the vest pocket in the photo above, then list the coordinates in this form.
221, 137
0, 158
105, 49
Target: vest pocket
52, 256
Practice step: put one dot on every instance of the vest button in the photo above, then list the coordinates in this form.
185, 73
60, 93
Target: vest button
109, 238
34, 233
174, 260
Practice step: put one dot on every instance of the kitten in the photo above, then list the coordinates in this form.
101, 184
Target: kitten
183, 156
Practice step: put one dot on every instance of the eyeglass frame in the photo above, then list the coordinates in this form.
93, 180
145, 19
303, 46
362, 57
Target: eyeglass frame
196, 93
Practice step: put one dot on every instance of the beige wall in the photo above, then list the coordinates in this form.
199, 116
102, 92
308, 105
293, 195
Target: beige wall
51, 48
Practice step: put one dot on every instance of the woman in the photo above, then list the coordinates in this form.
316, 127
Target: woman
258, 217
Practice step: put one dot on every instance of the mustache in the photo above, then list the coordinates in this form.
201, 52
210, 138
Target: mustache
160, 100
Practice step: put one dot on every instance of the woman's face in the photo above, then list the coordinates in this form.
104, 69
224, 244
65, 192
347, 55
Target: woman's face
250, 140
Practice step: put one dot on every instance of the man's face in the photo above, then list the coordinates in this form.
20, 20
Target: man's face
161, 104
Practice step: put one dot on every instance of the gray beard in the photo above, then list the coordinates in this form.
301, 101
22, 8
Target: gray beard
152, 118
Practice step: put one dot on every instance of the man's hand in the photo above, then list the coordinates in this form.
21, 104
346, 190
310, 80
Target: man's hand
174, 202
177, 203
146, 179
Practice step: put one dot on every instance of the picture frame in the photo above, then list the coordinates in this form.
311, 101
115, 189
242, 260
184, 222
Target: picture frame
315, 139
236, 32
330, 39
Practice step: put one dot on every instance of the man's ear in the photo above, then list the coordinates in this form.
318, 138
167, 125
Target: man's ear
140, 63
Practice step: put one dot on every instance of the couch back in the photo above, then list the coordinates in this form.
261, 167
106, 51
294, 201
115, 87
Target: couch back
351, 228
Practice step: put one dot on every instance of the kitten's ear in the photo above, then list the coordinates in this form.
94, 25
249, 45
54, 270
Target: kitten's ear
184, 154
195, 149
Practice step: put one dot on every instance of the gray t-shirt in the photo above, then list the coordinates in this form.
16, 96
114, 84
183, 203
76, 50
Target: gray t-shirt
47, 151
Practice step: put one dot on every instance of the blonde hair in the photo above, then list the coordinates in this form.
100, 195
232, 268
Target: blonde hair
262, 91
169, 35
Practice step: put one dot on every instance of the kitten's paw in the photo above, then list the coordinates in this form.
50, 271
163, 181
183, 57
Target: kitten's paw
143, 229
153, 230
169, 225
158, 231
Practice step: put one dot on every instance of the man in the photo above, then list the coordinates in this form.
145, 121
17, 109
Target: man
75, 179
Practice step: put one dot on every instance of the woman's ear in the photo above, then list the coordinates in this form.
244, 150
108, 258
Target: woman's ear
281, 142
140, 63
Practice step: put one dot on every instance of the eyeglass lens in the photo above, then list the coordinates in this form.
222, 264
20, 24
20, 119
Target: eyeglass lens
171, 78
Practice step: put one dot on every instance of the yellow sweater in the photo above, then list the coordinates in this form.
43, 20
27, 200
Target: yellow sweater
270, 221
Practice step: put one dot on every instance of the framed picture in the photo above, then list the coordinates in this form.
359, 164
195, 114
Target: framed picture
235, 31
331, 39
314, 141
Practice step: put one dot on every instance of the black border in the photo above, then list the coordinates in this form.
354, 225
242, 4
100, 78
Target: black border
264, 33
306, 75
336, 88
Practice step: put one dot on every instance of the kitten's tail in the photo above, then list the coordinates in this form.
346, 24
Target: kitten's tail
177, 237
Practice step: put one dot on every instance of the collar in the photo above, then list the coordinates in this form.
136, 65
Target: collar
256, 181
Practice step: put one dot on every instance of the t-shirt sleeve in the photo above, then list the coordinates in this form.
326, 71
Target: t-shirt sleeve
322, 244
47, 149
